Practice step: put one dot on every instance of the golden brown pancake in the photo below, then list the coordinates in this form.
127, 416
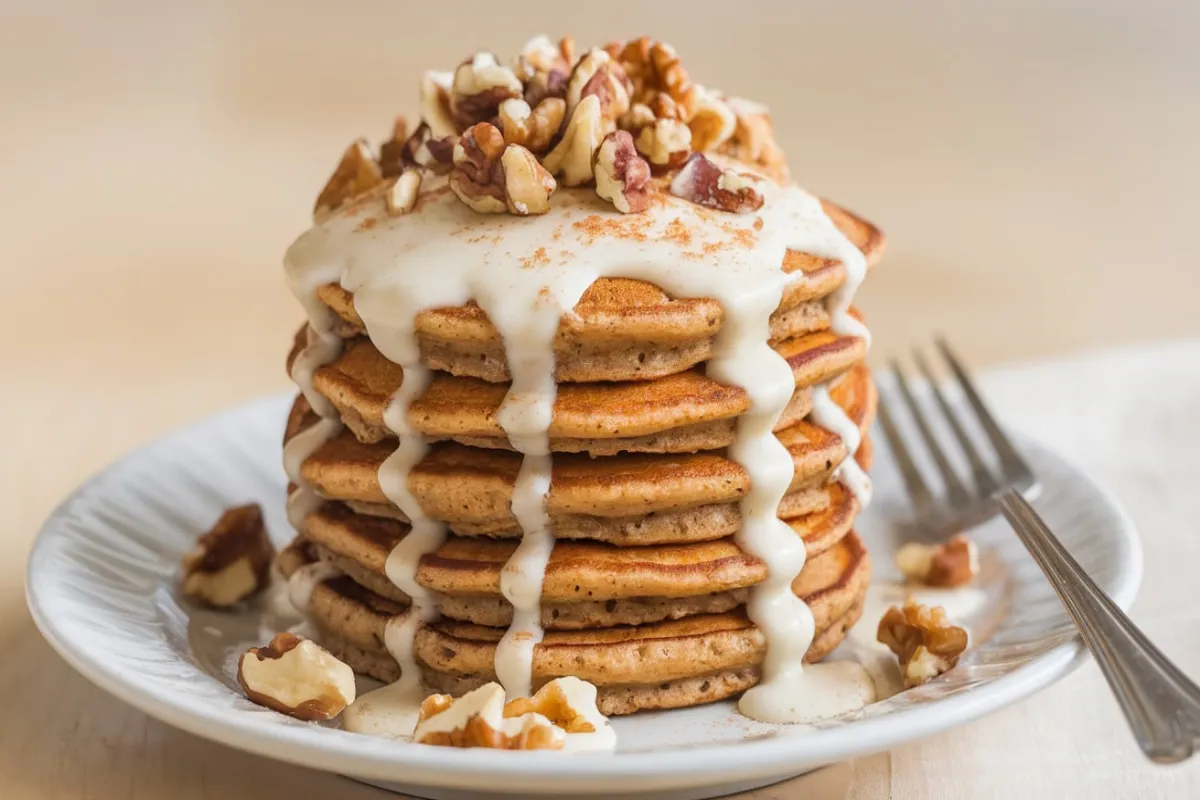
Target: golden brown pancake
683, 412
622, 329
472, 487
671, 652
578, 571
698, 524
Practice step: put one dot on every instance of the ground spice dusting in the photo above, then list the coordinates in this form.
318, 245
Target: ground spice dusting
367, 224
678, 232
631, 226
540, 258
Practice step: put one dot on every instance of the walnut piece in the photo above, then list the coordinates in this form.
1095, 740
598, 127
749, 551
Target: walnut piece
705, 183
622, 176
401, 196
571, 159
356, 174
491, 177
527, 184
532, 128
568, 702
665, 144
713, 123
395, 153
923, 640
564, 706
480, 85
597, 74
297, 677
477, 720
231, 562
543, 67
753, 139
952, 563
637, 117
435, 104
477, 177
658, 77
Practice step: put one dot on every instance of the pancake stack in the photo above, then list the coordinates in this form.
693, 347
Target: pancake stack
413, 475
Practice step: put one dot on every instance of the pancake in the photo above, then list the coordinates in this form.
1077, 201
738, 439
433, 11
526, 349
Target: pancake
621, 329
578, 571
472, 487
352, 621
683, 412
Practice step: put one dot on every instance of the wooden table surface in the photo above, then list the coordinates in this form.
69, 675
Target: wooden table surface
1035, 168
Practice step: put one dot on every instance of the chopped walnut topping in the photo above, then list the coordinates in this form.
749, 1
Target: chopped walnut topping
597, 74
622, 176
356, 174
527, 184
540, 55
704, 183
492, 177
665, 144
401, 196
637, 117
394, 154
923, 640
477, 177
435, 104
477, 720
571, 159
230, 562
953, 563
753, 138
480, 85
297, 677
436, 155
659, 79
534, 128
713, 123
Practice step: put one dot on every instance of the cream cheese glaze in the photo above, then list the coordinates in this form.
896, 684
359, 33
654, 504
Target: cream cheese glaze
526, 273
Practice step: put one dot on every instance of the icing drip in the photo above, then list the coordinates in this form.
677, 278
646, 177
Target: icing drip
526, 273
832, 417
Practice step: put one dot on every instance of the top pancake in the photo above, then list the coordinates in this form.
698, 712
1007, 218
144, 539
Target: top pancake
621, 329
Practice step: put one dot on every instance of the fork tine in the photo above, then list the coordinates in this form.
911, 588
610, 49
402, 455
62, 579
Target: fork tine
1013, 467
956, 492
984, 480
918, 490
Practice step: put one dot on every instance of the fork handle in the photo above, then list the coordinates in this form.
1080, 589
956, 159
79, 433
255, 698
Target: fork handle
1161, 704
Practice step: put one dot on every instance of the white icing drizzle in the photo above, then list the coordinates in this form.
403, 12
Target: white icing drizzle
832, 417
304, 581
304, 499
526, 273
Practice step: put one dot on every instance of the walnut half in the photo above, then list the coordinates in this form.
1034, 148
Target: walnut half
230, 562
923, 640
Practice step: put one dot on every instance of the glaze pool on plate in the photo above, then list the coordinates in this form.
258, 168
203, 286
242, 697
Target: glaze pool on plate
101, 588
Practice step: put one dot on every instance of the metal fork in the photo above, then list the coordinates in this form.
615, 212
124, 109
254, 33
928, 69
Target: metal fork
1161, 704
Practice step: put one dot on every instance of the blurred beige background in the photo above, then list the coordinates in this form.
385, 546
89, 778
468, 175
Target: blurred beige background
1034, 164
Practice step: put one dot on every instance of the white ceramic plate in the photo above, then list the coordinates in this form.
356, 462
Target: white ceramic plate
101, 586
